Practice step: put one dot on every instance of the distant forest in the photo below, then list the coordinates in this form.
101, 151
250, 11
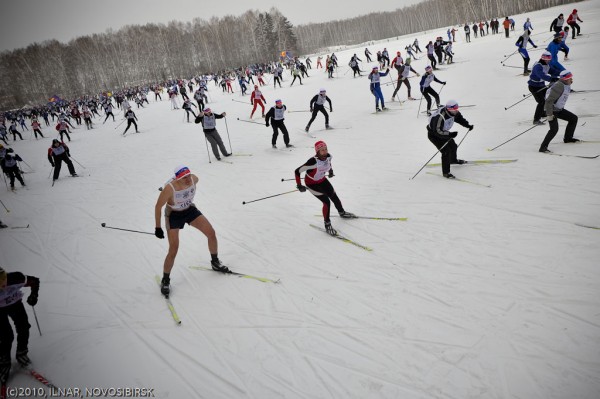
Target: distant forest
140, 54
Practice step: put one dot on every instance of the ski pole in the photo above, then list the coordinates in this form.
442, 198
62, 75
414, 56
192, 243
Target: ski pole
463, 139
228, 138
508, 56
422, 167
270, 196
5, 208
120, 123
207, 152
243, 120
118, 228
77, 162
238, 101
499, 145
51, 169
299, 111
525, 98
419, 109
3, 175
36, 320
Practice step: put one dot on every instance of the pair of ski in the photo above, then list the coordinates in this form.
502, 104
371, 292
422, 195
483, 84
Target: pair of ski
4, 392
348, 240
170, 305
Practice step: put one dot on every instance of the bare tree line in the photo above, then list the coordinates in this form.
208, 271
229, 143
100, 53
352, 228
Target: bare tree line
427, 15
140, 54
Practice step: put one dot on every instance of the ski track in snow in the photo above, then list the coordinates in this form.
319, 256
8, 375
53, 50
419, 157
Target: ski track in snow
479, 294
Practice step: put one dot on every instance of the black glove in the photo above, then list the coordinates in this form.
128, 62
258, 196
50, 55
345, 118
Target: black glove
470, 127
159, 233
311, 110
331, 174
301, 188
534, 46
52, 163
453, 134
32, 299
267, 124
444, 83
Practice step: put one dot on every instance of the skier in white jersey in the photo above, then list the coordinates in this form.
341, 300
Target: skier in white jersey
178, 196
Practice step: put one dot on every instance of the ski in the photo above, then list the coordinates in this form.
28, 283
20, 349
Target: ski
169, 304
20, 227
587, 227
369, 217
383, 111
479, 162
462, 180
344, 239
242, 155
580, 141
243, 275
308, 134
573, 156
39, 377
223, 160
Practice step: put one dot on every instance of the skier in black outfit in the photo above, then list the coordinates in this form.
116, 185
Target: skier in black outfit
426, 89
438, 132
11, 305
368, 55
317, 104
209, 126
57, 154
10, 167
187, 106
131, 118
276, 117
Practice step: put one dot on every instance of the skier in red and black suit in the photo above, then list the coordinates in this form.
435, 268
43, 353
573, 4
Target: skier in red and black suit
317, 169
58, 153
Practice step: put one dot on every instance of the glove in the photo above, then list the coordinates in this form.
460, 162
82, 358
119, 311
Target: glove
159, 233
534, 46
471, 127
52, 163
267, 124
444, 83
301, 188
331, 174
311, 110
550, 118
453, 134
330, 109
32, 299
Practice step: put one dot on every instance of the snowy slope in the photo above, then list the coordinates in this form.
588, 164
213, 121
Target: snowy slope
482, 293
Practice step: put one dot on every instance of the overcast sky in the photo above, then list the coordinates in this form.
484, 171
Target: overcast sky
27, 21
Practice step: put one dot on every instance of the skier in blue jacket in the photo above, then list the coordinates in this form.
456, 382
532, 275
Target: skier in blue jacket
375, 86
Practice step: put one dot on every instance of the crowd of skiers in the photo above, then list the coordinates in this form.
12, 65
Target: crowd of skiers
177, 195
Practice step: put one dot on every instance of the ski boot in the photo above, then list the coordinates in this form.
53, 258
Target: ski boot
329, 229
347, 215
544, 150
4, 369
165, 286
274, 146
289, 145
538, 122
22, 358
306, 129
219, 267
449, 176
571, 140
